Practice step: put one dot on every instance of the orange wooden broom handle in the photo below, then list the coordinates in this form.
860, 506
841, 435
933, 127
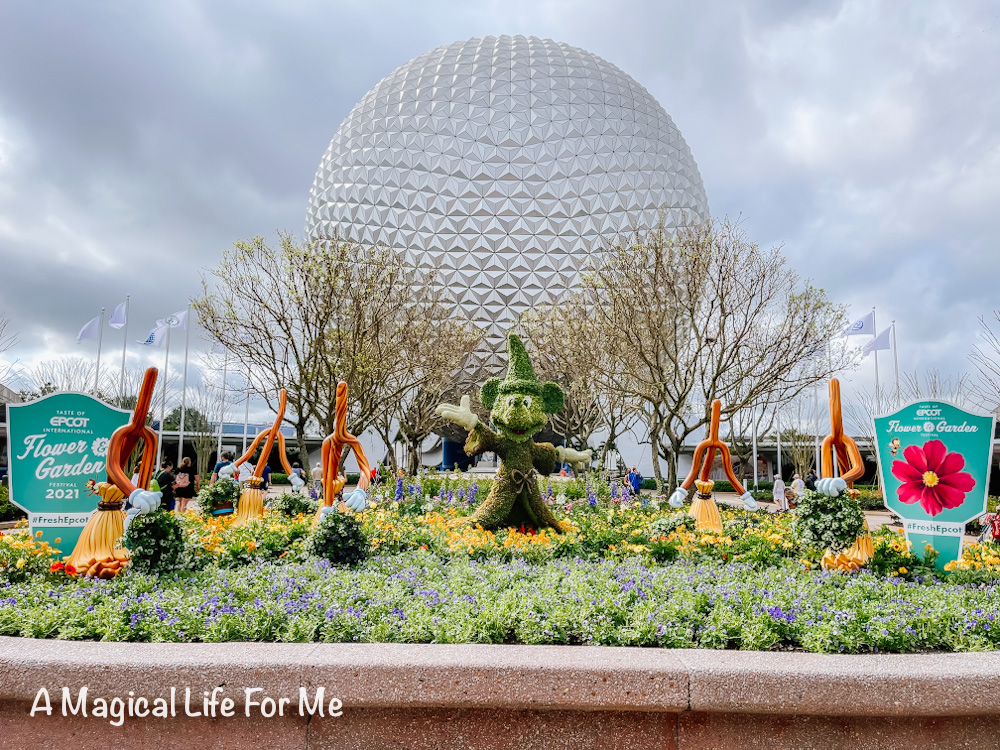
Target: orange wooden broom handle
270, 435
125, 438
848, 455
704, 454
333, 447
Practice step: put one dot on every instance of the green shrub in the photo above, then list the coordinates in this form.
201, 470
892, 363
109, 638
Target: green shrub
23, 556
832, 523
293, 505
156, 542
649, 484
664, 551
744, 522
213, 495
279, 478
893, 555
870, 498
339, 539
8, 511
762, 487
666, 525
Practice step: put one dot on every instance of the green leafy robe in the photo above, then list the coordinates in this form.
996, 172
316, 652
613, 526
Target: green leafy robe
515, 498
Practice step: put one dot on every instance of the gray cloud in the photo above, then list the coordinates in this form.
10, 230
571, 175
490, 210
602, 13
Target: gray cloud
137, 142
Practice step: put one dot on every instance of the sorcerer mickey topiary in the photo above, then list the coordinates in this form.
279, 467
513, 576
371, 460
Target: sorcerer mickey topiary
518, 407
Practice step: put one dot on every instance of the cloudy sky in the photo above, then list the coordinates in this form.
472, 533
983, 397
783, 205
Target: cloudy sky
137, 140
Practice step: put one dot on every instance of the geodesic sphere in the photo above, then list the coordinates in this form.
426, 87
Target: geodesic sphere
503, 163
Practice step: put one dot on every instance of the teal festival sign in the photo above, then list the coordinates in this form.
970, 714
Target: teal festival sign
55, 444
934, 461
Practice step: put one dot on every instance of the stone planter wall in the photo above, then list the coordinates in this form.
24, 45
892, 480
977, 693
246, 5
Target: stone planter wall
408, 696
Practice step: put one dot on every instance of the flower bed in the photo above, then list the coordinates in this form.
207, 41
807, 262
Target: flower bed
418, 597
621, 572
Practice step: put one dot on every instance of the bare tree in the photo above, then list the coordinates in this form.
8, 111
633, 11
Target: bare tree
566, 352
741, 427
706, 315
986, 357
304, 317
8, 341
74, 374
439, 357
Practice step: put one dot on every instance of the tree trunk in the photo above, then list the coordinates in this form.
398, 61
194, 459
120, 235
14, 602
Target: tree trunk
654, 441
412, 457
300, 442
675, 449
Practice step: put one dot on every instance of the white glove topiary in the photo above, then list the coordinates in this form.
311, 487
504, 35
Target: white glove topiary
143, 502
461, 415
831, 486
678, 497
357, 500
748, 502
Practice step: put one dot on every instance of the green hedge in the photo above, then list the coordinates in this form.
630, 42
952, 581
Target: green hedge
8, 511
278, 478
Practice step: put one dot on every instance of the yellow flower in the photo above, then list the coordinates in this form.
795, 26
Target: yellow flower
903, 571
20, 561
38, 533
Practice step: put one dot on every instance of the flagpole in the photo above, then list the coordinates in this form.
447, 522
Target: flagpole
816, 426
100, 338
779, 453
878, 397
163, 400
184, 383
246, 421
121, 382
753, 434
895, 361
222, 405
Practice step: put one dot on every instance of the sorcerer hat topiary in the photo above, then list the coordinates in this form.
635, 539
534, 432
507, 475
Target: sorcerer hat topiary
521, 378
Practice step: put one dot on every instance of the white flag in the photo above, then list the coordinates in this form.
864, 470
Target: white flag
117, 319
157, 337
177, 320
879, 342
90, 330
864, 326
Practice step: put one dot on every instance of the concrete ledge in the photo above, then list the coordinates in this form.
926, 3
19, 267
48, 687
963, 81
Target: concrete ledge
418, 696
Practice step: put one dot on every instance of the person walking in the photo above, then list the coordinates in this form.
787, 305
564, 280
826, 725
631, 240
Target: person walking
778, 494
165, 479
186, 484
224, 469
811, 480
297, 478
317, 477
798, 486
635, 479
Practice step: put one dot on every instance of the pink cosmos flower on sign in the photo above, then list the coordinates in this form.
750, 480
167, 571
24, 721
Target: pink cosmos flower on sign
932, 476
